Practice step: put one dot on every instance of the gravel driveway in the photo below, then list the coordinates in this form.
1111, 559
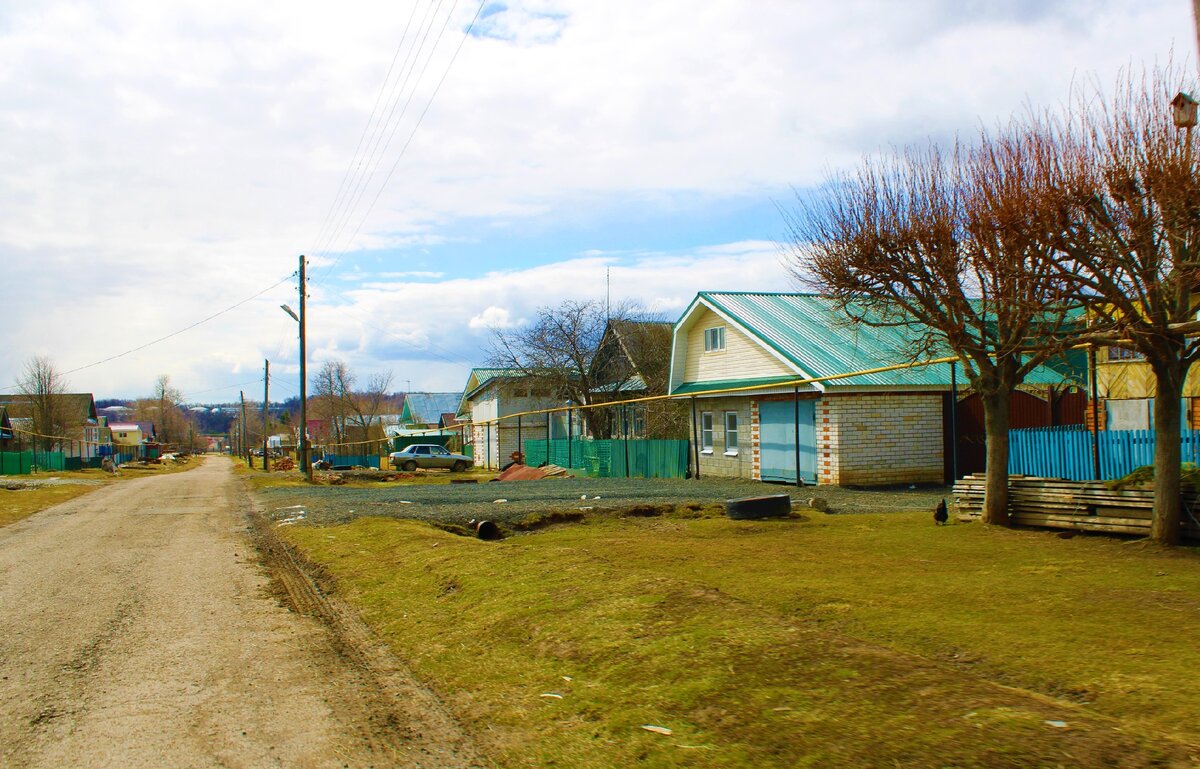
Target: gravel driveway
459, 503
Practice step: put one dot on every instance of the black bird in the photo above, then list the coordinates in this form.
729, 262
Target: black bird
940, 515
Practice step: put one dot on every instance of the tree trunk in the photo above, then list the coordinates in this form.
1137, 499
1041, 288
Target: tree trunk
995, 420
1165, 528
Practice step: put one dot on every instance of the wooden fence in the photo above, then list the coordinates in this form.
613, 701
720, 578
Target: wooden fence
1084, 506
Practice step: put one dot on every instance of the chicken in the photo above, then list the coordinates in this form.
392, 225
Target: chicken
940, 515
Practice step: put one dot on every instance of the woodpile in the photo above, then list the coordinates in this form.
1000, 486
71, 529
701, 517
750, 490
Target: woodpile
1081, 505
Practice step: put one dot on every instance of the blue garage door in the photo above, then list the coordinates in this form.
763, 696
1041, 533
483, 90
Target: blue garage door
777, 440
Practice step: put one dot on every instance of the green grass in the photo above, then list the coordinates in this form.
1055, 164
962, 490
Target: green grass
872, 640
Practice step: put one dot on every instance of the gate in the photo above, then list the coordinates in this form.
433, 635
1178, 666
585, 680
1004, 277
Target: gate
777, 440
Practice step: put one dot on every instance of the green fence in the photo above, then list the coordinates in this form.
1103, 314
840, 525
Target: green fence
607, 459
16, 462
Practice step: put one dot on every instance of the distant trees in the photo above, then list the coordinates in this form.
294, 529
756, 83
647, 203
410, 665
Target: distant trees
164, 409
41, 386
353, 414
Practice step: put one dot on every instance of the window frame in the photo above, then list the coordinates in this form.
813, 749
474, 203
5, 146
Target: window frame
714, 339
731, 451
706, 434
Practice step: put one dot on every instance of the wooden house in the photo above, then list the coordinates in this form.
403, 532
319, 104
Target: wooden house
492, 393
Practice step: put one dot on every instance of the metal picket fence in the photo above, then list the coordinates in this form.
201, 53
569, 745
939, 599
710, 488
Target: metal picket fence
1066, 452
612, 458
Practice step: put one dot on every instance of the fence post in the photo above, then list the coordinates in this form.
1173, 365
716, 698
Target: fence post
570, 438
625, 437
1095, 415
695, 437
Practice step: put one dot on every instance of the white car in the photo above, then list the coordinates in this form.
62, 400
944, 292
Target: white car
428, 455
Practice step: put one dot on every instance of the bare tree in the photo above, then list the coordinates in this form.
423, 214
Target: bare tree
556, 350
42, 388
332, 390
367, 405
951, 247
1132, 239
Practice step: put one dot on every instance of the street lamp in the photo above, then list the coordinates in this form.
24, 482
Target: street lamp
305, 459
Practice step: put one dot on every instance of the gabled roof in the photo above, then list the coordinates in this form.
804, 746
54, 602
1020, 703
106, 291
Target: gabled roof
480, 378
810, 335
639, 343
427, 408
82, 406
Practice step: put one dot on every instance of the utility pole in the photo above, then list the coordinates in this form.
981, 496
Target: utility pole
266, 404
242, 447
307, 461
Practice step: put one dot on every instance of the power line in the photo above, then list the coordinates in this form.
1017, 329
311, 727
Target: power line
420, 119
168, 336
366, 127
374, 155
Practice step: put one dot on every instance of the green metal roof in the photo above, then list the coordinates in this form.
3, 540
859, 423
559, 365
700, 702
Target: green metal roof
810, 333
699, 388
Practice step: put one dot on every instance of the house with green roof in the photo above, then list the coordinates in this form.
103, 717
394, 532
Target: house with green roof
493, 393
784, 385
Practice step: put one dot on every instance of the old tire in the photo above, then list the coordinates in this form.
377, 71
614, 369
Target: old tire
458, 466
751, 508
409, 466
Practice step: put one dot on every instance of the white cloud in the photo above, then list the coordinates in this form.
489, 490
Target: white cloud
491, 317
162, 161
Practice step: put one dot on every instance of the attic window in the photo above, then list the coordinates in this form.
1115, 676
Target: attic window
714, 339
1121, 353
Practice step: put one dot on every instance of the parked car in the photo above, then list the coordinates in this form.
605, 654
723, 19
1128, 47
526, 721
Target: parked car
428, 455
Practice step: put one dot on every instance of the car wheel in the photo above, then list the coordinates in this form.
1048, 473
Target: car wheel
409, 466
458, 466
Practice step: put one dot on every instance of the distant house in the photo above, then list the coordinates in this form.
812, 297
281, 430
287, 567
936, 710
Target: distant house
132, 433
492, 393
7, 436
81, 429
740, 356
1125, 388
426, 409
632, 361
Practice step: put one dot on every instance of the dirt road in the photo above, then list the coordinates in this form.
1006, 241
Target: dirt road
138, 628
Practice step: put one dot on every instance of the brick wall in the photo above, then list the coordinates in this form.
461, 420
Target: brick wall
724, 461
1089, 410
879, 439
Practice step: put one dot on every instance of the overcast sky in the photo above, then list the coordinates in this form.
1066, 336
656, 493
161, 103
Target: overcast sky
161, 162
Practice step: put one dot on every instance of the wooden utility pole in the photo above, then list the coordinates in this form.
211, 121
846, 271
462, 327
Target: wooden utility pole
266, 405
242, 447
307, 460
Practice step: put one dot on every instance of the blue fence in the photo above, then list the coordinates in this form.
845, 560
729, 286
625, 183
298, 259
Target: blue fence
1066, 452
355, 460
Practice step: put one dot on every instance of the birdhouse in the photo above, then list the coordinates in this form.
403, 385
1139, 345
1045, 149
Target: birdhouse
1184, 107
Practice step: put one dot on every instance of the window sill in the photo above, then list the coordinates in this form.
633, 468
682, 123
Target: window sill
731, 453
706, 451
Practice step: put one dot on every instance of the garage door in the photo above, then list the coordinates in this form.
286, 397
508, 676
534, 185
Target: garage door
777, 440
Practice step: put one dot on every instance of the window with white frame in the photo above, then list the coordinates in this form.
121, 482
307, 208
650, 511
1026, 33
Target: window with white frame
714, 339
731, 433
706, 432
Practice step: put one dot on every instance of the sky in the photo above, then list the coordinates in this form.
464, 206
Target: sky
448, 167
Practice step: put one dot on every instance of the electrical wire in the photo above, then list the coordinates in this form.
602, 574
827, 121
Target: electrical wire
413, 132
373, 156
152, 342
342, 186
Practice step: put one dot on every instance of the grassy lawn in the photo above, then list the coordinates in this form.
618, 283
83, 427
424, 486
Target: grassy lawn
18, 504
841, 640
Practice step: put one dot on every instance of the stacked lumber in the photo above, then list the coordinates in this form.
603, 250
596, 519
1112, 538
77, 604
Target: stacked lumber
1083, 505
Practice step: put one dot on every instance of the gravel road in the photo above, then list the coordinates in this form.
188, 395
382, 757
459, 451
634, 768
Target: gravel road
141, 629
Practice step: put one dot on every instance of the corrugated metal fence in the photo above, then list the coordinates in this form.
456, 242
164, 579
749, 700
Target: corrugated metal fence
607, 458
1066, 452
